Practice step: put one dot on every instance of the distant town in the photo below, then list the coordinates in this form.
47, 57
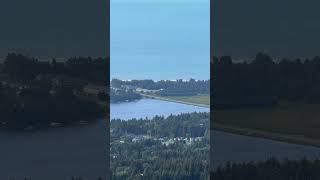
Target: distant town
150, 148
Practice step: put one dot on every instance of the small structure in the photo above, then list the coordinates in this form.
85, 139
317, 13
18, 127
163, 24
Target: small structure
141, 90
94, 90
68, 82
128, 87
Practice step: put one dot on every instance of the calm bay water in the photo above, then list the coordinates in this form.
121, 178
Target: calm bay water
54, 154
237, 148
156, 39
149, 108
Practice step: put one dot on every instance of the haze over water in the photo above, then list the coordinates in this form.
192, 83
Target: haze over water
160, 39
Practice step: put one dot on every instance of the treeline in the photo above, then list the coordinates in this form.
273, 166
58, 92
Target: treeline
146, 150
153, 161
263, 81
169, 88
122, 95
72, 178
38, 108
35, 94
271, 169
183, 125
25, 69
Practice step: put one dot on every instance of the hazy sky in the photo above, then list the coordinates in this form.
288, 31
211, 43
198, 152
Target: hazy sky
241, 27
162, 1
54, 27
278, 27
160, 39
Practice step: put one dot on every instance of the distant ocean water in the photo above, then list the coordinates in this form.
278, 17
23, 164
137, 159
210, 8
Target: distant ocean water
160, 39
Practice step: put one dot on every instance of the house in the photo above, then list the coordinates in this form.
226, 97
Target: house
94, 90
47, 77
4, 78
68, 82
141, 90
138, 138
168, 142
128, 87
11, 84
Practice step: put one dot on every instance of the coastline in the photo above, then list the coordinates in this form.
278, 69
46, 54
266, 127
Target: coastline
53, 125
286, 138
292, 139
173, 100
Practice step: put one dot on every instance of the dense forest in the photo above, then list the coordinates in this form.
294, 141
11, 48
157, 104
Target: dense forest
152, 161
270, 169
183, 125
25, 69
167, 87
176, 147
263, 81
40, 109
36, 94
122, 95
72, 178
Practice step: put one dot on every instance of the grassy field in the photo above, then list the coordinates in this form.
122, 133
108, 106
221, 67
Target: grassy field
199, 99
291, 122
293, 119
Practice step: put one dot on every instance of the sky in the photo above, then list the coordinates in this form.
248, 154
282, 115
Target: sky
54, 27
161, 1
160, 39
79, 27
282, 28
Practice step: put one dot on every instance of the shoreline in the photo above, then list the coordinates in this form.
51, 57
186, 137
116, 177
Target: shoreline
173, 100
286, 138
32, 129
